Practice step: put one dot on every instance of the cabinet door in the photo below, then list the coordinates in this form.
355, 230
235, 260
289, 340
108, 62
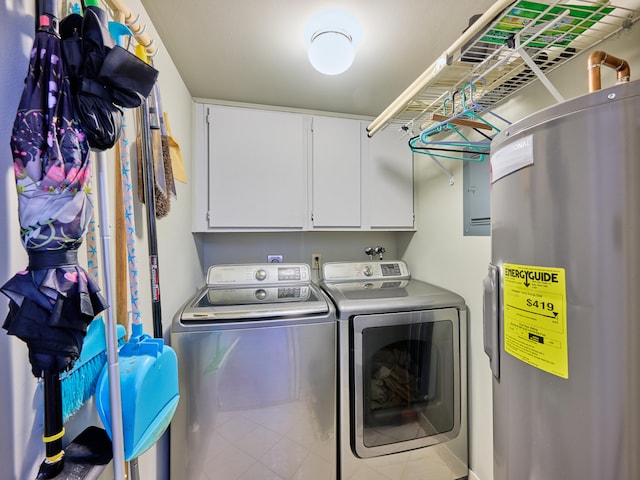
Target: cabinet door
389, 191
257, 169
336, 173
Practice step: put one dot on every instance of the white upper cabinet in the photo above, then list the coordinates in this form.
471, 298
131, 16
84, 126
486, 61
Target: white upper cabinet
388, 190
257, 169
336, 173
267, 170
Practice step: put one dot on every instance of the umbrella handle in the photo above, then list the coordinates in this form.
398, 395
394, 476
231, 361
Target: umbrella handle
53, 428
47, 16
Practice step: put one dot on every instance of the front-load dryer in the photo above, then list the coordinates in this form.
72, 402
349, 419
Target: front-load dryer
402, 373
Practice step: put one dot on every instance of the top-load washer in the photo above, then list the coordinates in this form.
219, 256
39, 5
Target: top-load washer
256, 349
402, 353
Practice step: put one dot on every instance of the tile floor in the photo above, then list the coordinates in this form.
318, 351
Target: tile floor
268, 444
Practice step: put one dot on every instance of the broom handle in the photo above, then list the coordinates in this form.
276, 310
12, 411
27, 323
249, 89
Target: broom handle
130, 227
115, 398
149, 201
92, 249
121, 246
128, 237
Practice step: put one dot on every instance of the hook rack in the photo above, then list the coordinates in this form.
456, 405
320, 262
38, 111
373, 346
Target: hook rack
119, 8
468, 116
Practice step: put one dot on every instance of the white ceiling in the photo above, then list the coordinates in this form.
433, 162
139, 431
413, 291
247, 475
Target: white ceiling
254, 51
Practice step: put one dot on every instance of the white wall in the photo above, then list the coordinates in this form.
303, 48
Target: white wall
439, 253
21, 448
18, 441
296, 247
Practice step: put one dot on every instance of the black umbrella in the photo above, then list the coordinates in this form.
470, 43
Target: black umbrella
104, 76
52, 301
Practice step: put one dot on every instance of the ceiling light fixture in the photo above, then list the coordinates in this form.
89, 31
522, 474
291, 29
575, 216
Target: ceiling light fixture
332, 38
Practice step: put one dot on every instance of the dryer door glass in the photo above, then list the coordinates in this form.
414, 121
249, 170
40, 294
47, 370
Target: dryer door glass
406, 379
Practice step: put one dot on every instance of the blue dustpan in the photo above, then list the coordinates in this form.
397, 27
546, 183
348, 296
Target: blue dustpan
149, 388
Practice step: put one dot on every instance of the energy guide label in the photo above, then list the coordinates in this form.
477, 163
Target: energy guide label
535, 316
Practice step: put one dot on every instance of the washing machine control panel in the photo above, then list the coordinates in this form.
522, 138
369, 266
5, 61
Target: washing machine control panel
342, 271
290, 274
247, 296
262, 273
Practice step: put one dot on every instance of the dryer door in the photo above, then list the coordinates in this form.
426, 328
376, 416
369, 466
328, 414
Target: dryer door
405, 372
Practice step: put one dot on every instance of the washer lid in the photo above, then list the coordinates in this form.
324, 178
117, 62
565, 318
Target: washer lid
251, 303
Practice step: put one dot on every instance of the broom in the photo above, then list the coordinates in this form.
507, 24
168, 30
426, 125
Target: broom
79, 384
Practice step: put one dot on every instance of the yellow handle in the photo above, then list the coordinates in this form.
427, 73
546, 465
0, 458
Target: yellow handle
141, 53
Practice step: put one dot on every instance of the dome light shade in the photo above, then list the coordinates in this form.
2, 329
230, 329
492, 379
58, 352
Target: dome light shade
331, 52
332, 38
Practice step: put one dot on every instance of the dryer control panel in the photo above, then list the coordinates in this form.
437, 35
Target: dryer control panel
344, 271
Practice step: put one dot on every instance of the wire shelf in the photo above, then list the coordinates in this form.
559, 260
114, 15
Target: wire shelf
491, 65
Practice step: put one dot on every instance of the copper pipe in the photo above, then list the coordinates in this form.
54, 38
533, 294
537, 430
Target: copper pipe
598, 58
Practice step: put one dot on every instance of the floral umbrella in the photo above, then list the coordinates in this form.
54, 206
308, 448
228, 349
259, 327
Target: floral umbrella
51, 165
53, 300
